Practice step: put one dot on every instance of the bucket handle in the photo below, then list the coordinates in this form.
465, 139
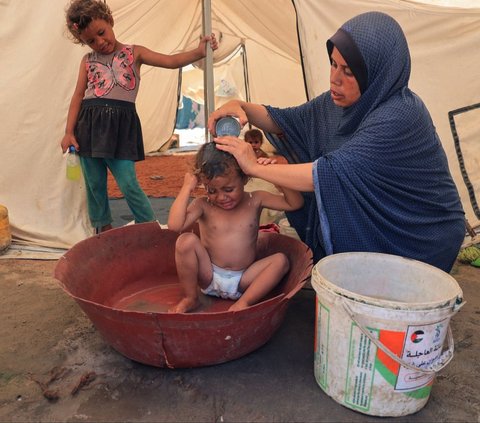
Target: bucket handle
439, 364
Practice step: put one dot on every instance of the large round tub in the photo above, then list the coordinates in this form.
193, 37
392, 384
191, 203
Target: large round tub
125, 280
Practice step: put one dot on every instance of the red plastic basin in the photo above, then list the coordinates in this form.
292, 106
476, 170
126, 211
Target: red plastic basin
125, 280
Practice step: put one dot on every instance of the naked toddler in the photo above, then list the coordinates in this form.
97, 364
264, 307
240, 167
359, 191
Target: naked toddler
222, 260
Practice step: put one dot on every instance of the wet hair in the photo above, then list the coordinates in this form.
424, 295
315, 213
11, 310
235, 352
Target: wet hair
80, 13
211, 162
253, 134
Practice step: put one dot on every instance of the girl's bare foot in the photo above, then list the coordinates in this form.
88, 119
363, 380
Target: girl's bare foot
185, 305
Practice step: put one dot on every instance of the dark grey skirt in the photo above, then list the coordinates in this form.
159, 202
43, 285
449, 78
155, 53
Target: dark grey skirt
109, 129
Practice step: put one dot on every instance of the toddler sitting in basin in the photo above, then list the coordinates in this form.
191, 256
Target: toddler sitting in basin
222, 260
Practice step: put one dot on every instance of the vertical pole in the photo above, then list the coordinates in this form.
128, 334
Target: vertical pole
208, 90
245, 77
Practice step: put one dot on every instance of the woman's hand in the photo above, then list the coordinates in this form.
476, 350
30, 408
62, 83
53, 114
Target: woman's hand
293, 176
232, 108
241, 150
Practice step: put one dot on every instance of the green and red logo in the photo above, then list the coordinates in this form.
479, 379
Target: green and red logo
390, 368
417, 336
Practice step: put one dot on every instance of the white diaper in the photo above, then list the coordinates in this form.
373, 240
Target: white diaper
224, 283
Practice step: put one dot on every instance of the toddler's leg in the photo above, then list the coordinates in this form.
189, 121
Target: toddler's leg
95, 175
193, 268
124, 173
260, 278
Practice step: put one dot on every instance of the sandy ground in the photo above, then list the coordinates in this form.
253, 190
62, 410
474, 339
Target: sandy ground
162, 176
54, 366
159, 176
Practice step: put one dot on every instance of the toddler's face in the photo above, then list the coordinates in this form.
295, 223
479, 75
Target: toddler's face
254, 142
225, 191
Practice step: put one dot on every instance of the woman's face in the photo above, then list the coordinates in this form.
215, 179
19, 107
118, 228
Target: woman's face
344, 88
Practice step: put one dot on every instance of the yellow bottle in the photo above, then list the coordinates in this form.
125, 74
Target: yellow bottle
73, 164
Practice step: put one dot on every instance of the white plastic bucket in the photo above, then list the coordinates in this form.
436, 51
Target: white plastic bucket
381, 323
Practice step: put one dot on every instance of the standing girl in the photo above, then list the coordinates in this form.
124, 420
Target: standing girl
102, 122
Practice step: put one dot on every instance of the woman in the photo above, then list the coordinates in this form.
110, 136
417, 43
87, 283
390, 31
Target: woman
366, 154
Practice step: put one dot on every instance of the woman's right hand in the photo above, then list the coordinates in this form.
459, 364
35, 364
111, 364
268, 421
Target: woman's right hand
232, 108
67, 141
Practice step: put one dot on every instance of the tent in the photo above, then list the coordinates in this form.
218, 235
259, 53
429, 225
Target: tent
271, 52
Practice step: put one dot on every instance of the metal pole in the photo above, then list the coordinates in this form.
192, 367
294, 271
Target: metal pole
208, 89
245, 77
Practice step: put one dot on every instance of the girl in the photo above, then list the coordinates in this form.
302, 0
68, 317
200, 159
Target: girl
102, 122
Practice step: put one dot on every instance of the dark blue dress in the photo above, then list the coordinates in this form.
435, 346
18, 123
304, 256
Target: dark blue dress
381, 176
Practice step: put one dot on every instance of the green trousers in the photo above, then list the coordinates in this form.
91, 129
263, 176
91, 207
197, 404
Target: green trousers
95, 175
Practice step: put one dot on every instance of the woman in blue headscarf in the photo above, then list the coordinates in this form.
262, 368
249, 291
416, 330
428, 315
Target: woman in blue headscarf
366, 154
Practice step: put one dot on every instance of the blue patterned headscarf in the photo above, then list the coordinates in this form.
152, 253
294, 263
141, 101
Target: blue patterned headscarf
381, 176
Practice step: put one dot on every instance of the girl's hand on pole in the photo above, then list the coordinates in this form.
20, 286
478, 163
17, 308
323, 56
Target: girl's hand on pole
203, 43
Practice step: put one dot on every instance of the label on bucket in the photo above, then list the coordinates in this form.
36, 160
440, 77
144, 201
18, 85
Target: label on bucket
361, 368
419, 345
321, 343
422, 348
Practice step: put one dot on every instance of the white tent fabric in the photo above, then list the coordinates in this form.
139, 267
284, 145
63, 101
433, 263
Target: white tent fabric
39, 73
40, 69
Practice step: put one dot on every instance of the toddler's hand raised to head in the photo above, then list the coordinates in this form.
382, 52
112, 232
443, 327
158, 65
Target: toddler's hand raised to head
190, 181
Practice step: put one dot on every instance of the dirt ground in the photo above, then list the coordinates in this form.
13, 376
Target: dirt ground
159, 176
54, 366
162, 176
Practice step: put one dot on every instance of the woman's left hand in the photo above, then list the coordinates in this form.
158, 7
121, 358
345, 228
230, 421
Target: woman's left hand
241, 150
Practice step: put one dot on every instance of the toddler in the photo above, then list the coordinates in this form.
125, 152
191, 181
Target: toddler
222, 260
255, 138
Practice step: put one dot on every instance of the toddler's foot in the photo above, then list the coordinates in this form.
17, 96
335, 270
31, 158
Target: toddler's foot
238, 305
185, 305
